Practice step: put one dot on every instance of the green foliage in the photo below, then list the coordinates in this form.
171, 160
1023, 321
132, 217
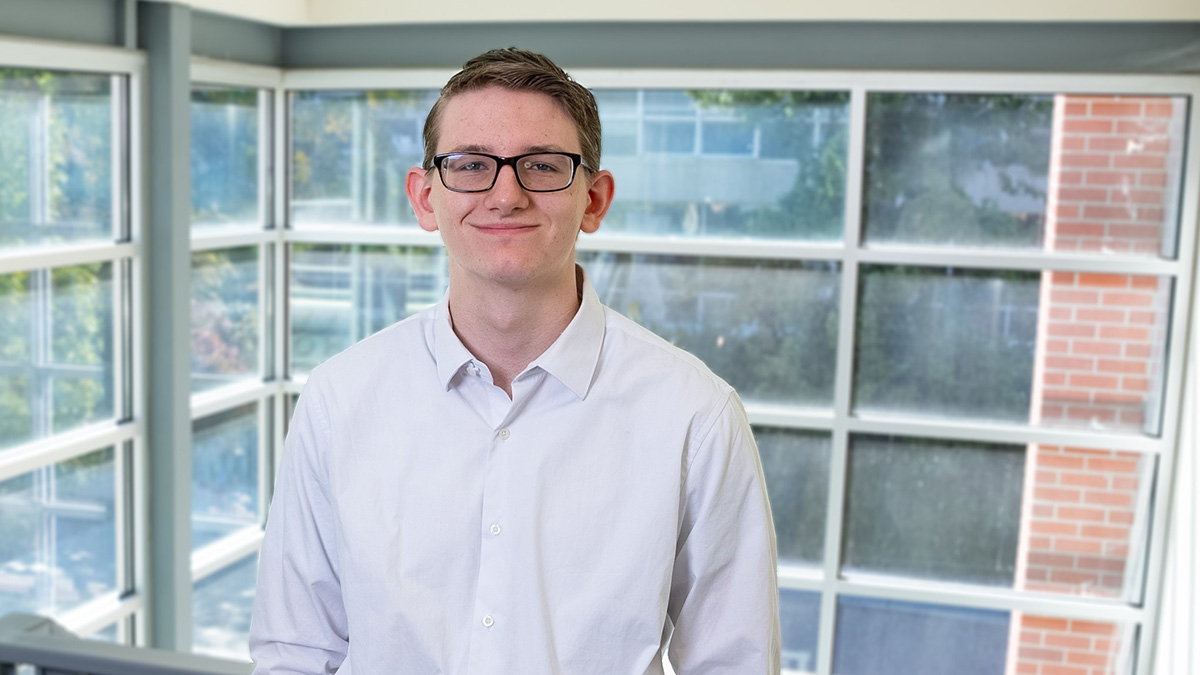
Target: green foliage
225, 323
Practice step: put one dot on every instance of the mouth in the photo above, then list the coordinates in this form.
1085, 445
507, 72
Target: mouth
504, 228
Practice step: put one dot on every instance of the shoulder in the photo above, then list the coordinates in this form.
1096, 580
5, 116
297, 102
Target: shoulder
647, 362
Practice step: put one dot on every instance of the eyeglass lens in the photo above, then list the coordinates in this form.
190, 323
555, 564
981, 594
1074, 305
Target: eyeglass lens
543, 172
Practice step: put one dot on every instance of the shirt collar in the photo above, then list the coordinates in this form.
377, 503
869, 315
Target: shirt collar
572, 359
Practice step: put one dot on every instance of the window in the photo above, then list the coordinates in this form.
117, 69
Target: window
67, 429
950, 313
235, 392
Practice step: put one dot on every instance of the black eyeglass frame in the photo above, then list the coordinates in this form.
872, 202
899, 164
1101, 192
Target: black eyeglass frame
501, 162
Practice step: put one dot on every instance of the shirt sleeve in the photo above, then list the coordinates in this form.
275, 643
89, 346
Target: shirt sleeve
724, 602
299, 622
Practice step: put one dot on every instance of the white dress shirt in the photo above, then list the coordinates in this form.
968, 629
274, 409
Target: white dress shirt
424, 523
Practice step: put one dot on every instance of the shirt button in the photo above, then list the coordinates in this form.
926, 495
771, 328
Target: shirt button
504, 434
488, 621
495, 528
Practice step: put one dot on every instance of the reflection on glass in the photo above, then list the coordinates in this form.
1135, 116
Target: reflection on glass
946, 342
225, 321
939, 510
726, 163
340, 294
221, 605
225, 159
58, 535
351, 151
799, 621
56, 355
796, 465
56, 178
1088, 522
224, 474
957, 169
876, 636
768, 328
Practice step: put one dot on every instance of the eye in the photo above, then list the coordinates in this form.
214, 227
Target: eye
540, 167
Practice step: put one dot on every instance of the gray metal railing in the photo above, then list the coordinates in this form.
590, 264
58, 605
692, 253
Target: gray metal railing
31, 643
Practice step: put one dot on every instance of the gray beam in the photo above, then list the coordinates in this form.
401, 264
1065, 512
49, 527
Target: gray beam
165, 31
1021, 47
230, 39
88, 21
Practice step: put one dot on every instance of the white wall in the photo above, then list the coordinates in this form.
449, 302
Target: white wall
334, 12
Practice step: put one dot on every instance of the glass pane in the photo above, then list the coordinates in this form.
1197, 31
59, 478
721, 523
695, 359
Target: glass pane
225, 157
769, 328
799, 622
56, 351
221, 605
939, 510
225, 317
796, 464
886, 636
993, 346
56, 180
957, 169
58, 535
1058, 173
946, 342
734, 163
1088, 522
224, 474
340, 294
351, 151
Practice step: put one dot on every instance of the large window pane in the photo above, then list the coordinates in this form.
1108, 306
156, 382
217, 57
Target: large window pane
799, 624
886, 636
796, 465
340, 294
58, 535
225, 317
957, 169
939, 510
945, 342
1057, 349
350, 153
768, 327
56, 178
1100, 174
714, 163
221, 605
56, 351
226, 180
224, 474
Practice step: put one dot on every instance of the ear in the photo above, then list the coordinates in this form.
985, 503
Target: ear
600, 196
419, 185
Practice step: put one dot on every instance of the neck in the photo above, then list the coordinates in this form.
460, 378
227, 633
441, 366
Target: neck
508, 327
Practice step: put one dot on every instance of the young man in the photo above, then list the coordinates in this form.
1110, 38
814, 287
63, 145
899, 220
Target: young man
518, 481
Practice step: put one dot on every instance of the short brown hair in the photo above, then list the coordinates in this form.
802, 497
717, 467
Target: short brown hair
520, 70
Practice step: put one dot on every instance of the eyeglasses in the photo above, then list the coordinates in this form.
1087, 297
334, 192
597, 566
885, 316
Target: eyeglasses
536, 171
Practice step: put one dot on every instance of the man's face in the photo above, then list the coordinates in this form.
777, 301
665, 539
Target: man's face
508, 236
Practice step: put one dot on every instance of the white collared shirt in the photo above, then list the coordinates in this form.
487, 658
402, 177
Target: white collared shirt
425, 523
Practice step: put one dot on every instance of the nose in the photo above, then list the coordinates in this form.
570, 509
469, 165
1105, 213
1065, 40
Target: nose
507, 195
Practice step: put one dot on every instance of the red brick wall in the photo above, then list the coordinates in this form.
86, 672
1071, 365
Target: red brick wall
1098, 365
